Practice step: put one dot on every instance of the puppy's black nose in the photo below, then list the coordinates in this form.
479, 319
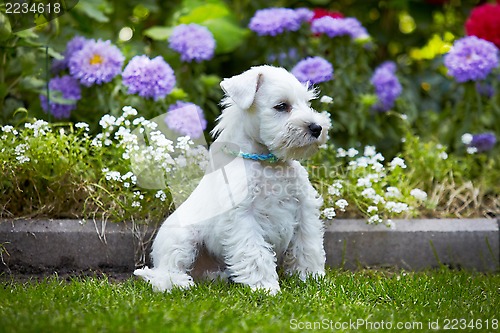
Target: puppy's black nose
315, 130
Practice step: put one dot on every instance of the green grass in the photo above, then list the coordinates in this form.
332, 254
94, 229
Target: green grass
94, 304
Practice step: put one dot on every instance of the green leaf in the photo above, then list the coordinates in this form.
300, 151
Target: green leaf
204, 13
28, 33
5, 28
158, 32
228, 35
92, 9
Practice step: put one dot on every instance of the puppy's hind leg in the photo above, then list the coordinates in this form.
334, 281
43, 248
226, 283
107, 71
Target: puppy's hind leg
174, 252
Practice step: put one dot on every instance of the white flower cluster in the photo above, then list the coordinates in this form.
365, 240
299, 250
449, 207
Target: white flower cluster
20, 151
154, 159
371, 182
39, 127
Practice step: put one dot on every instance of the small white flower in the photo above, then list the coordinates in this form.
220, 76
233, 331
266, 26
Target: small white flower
393, 192
418, 194
397, 162
443, 155
138, 121
341, 152
351, 152
335, 188
326, 99
404, 117
375, 219
107, 121
342, 204
113, 175
39, 127
9, 129
372, 209
161, 195
119, 121
83, 125
471, 150
369, 151
378, 167
396, 207
377, 158
129, 111
389, 223
364, 182
136, 204
467, 138
329, 213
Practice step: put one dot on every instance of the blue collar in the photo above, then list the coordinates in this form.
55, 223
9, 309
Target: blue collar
271, 158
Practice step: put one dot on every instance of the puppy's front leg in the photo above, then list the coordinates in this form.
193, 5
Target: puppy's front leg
250, 259
305, 254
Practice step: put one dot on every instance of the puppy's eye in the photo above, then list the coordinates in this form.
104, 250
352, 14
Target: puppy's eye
283, 107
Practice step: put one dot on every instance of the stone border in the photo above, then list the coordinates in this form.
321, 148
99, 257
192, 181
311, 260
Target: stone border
36, 246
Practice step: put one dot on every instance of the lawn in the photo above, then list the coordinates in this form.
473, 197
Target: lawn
363, 301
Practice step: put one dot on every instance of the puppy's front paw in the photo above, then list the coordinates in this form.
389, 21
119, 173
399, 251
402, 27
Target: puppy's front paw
271, 288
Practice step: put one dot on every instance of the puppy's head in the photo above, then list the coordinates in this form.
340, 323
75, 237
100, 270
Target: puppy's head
276, 111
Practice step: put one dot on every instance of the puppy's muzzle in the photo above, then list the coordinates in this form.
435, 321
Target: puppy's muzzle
315, 130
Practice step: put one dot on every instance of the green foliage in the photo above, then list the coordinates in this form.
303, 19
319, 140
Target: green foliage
436, 110
60, 171
100, 304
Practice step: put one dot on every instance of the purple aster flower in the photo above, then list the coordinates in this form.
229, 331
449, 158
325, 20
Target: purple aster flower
335, 27
97, 62
313, 70
304, 14
150, 78
74, 45
275, 21
64, 87
387, 86
193, 42
483, 142
471, 59
186, 119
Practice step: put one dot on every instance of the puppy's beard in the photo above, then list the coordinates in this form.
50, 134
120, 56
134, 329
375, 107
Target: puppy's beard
295, 143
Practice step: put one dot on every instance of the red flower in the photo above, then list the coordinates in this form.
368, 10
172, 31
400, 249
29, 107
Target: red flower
484, 22
320, 12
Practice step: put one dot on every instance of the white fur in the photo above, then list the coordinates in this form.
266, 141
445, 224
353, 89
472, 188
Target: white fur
251, 215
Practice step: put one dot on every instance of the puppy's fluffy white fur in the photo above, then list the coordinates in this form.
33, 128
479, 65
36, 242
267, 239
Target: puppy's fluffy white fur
251, 215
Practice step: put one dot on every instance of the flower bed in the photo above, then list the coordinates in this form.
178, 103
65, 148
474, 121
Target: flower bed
125, 120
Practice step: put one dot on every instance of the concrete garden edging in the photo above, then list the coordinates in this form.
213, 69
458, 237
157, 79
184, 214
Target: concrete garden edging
33, 246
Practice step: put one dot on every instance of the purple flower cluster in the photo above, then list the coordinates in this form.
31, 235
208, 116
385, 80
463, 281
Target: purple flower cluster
483, 142
193, 42
471, 59
64, 92
150, 78
187, 119
387, 86
275, 21
304, 14
335, 27
313, 70
97, 62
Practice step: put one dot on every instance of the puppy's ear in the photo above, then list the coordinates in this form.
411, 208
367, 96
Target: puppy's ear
242, 88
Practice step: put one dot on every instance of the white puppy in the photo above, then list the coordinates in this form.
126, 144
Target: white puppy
255, 209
